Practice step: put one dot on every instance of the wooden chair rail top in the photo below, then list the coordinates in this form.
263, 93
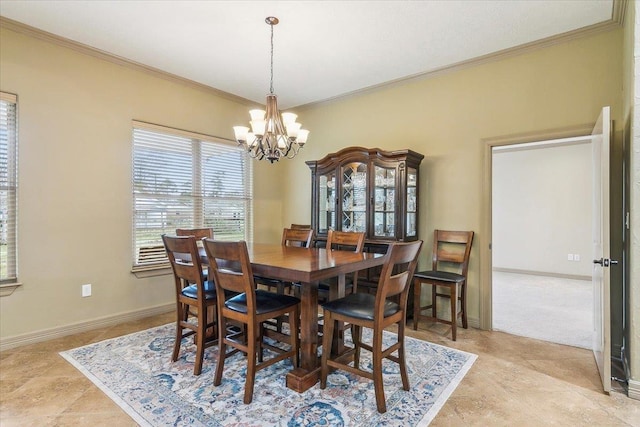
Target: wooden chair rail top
306, 264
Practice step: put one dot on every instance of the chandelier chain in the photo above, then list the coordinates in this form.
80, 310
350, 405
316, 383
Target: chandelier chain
271, 84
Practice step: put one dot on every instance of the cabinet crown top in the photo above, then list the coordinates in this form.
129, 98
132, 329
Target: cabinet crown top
350, 154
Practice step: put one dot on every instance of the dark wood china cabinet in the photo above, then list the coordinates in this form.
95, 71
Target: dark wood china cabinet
370, 190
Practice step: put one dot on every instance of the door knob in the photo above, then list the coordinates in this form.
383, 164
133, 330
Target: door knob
605, 262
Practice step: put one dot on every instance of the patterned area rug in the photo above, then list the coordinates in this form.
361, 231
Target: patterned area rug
137, 373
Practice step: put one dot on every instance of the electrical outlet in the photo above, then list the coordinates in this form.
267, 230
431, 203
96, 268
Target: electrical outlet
576, 257
86, 290
570, 257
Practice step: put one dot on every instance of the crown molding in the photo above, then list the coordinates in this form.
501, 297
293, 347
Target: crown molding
618, 13
21, 28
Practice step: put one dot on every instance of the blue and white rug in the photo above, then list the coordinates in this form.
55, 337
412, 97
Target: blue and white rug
137, 373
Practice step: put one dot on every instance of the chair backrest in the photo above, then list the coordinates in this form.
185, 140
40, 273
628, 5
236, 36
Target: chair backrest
231, 268
297, 237
198, 233
183, 255
346, 240
301, 226
397, 272
451, 250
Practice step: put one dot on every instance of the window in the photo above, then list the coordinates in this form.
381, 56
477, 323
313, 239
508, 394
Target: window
8, 188
186, 180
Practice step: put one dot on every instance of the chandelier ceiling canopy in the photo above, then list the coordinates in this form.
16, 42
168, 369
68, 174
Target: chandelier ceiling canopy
272, 135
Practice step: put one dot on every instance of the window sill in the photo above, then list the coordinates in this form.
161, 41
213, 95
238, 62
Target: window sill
7, 289
144, 272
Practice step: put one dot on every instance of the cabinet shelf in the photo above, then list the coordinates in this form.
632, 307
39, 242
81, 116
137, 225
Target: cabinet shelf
370, 190
368, 178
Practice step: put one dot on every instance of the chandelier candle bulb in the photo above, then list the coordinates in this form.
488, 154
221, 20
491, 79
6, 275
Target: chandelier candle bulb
241, 133
257, 114
302, 137
273, 134
289, 118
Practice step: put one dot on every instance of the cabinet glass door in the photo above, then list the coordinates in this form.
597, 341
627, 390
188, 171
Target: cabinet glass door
412, 202
327, 203
354, 197
384, 202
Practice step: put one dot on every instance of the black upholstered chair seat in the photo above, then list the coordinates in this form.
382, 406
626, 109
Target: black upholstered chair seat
191, 291
359, 306
265, 302
442, 276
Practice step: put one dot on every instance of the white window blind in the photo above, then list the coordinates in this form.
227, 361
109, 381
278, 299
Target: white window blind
186, 180
8, 188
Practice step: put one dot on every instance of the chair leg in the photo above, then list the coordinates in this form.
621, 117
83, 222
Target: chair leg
259, 343
401, 359
356, 335
434, 298
253, 347
454, 310
326, 347
417, 291
200, 339
463, 304
222, 349
176, 345
377, 371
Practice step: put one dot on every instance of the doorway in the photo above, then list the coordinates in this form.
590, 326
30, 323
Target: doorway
541, 240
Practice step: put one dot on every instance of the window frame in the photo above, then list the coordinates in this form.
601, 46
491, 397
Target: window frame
201, 146
9, 272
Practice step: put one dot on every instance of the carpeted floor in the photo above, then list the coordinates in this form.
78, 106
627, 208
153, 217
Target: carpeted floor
552, 309
135, 371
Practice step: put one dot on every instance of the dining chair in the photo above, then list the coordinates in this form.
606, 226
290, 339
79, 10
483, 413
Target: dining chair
344, 241
376, 312
449, 266
229, 263
301, 226
192, 291
297, 237
302, 237
198, 233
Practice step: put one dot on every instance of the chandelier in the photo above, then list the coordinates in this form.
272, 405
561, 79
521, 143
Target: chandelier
273, 135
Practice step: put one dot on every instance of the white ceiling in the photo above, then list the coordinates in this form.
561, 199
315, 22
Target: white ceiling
323, 49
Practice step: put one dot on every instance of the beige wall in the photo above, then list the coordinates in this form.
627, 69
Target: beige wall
446, 117
75, 203
542, 200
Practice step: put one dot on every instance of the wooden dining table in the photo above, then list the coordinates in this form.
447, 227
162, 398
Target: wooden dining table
308, 266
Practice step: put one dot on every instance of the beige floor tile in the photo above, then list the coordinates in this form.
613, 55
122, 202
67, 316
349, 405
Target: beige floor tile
515, 381
94, 420
43, 396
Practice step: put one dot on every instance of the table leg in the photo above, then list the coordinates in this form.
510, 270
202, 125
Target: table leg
337, 347
305, 376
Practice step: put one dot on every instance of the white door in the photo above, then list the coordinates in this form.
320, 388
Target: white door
601, 254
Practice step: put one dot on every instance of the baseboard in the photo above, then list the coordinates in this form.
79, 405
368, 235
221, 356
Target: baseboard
634, 389
62, 331
542, 273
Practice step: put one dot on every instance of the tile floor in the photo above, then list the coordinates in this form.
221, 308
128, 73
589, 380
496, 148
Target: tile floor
515, 382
